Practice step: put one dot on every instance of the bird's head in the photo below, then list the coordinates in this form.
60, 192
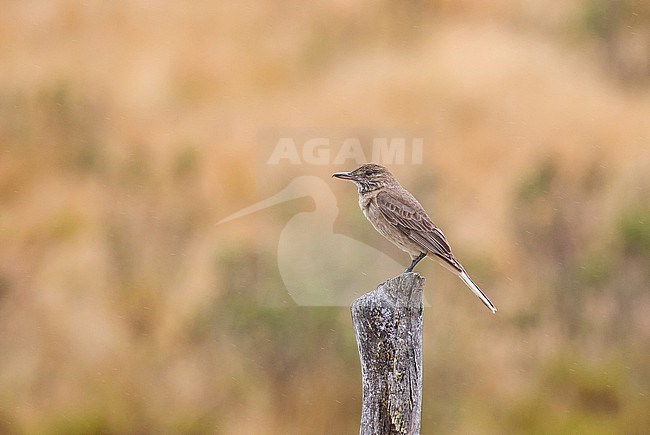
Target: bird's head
368, 177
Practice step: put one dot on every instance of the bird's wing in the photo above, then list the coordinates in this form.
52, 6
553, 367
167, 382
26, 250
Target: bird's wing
403, 211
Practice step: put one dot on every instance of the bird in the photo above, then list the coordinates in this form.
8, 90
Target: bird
399, 217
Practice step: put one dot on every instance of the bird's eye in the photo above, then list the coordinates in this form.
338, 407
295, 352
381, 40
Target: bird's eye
368, 172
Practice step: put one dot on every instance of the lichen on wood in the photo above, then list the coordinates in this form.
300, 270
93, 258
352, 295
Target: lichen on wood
388, 327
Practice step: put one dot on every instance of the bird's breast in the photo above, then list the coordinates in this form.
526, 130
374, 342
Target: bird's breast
365, 202
372, 212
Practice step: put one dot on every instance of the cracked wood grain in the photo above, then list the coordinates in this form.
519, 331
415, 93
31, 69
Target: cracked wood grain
388, 327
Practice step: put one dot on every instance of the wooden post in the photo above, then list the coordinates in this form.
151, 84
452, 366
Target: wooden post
388, 326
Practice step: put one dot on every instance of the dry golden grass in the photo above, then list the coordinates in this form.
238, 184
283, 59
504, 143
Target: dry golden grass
128, 128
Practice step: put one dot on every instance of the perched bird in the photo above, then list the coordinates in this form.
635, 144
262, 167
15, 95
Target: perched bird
399, 217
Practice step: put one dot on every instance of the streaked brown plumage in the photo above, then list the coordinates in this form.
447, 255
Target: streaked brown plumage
399, 217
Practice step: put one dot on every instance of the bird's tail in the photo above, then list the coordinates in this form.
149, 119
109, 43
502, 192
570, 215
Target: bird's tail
477, 291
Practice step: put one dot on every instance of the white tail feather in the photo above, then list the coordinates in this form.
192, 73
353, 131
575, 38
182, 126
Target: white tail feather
477, 291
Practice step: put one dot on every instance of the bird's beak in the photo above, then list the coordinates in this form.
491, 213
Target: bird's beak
343, 175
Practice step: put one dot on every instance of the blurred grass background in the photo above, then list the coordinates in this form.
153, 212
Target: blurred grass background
128, 128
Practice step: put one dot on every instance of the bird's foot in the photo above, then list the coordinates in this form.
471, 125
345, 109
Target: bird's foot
415, 261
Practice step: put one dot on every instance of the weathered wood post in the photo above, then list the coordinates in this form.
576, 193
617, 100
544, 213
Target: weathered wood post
388, 326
